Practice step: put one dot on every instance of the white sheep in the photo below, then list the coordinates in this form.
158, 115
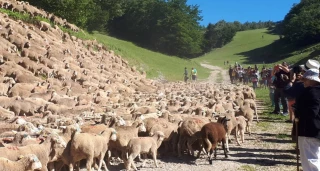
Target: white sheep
91, 146
28, 162
142, 145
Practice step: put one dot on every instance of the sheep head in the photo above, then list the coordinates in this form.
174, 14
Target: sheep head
113, 134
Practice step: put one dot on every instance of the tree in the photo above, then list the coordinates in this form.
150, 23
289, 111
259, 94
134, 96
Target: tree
301, 25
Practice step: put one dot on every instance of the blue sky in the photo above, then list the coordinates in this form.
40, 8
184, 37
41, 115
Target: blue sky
243, 10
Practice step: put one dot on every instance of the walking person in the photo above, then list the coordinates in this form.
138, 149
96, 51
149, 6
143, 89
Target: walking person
194, 74
185, 75
307, 112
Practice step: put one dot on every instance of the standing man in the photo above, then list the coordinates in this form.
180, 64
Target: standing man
185, 75
281, 73
194, 74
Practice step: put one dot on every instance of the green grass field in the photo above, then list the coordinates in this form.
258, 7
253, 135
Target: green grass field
155, 64
249, 48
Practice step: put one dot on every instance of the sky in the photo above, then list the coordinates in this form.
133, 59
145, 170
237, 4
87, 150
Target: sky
242, 10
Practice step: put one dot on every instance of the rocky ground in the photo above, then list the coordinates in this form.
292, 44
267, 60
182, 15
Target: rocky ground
268, 148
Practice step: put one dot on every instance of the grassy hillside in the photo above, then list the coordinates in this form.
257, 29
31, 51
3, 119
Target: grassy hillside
153, 63
249, 48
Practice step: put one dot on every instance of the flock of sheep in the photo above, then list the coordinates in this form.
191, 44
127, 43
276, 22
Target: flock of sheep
64, 100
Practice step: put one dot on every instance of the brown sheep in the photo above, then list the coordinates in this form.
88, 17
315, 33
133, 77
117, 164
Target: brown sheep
213, 133
140, 145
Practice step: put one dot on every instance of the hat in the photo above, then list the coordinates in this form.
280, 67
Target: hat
312, 74
310, 64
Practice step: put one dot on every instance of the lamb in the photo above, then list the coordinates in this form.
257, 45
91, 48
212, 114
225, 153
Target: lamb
28, 162
213, 133
140, 145
246, 111
89, 146
242, 124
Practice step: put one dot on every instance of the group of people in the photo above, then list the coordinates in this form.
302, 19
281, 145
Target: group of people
298, 89
238, 74
193, 74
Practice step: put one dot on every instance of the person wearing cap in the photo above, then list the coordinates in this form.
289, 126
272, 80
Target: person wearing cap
307, 111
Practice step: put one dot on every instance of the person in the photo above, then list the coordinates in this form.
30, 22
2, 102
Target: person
307, 112
194, 74
186, 75
281, 73
230, 74
255, 79
292, 91
224, 62
271, 94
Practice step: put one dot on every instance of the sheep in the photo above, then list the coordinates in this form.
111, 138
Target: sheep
125, 133
242, 124
213, 133
232, 125
28, 162
44, 26
5, 86
188, 132
140, 145
89, 146
170, 131
43, 151
246, 111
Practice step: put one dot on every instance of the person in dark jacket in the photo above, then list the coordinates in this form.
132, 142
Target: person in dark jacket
281, 72
307, 111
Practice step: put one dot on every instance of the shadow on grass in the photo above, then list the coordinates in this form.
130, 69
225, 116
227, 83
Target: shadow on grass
277, 51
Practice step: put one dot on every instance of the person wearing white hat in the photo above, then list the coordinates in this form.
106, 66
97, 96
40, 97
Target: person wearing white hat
310, 64
307, 112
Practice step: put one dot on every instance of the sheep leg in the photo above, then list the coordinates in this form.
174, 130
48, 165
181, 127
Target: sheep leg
242, 135
189, 144
224, 149
104, 165
131, 162
100, 161
154, 155
182, 140
89, 163
236, 136
209, 149
227, 141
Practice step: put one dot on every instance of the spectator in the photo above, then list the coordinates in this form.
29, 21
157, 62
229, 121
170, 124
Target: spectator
230, 74
307, 110
293, 91
281, 73
194, 74
255, 79
186, 75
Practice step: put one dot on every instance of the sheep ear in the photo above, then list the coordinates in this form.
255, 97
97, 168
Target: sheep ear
20, 157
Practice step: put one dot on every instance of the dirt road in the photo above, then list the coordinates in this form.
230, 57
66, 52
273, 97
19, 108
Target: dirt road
217, 75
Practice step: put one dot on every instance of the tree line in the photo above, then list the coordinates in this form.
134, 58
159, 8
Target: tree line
301, 26
168, 26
